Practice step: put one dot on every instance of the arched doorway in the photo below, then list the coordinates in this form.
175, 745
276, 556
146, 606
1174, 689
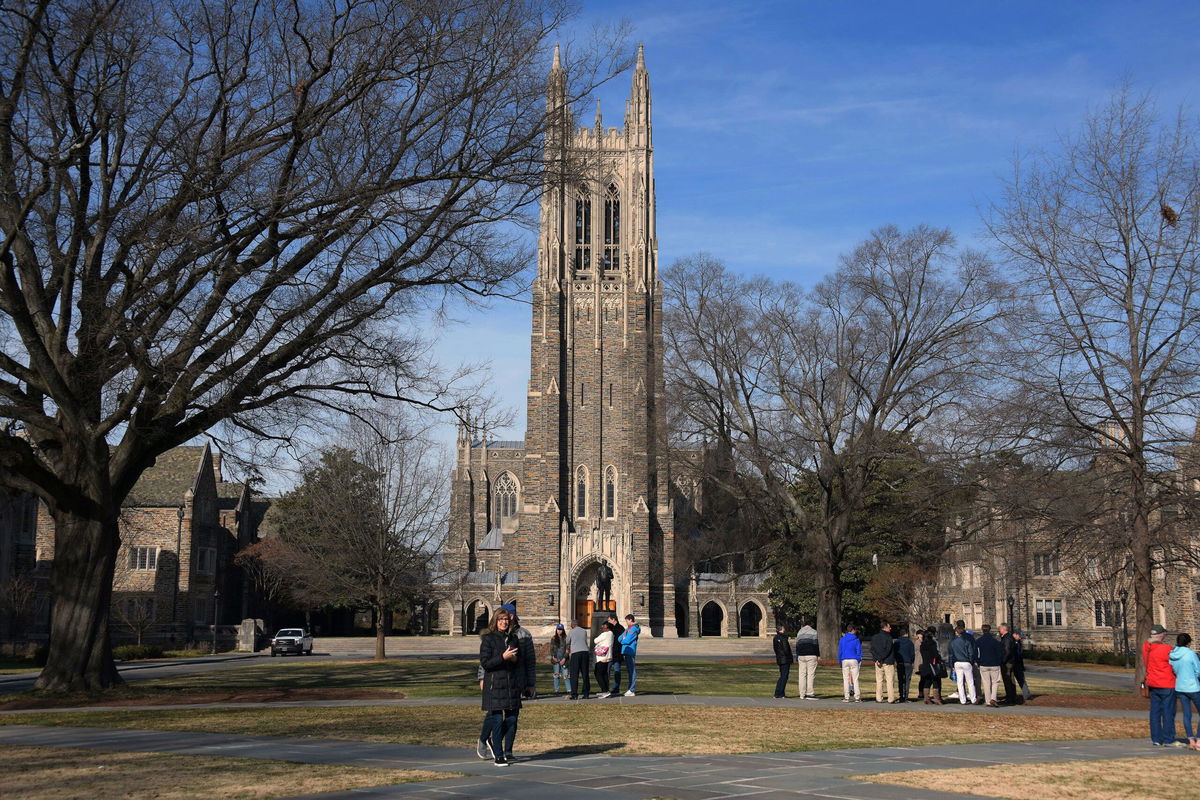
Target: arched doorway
476, 618
750, 620
712, 619
590, 609
681, 622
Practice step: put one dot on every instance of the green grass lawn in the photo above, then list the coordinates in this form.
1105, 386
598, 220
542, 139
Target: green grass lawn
300, 679
600, 726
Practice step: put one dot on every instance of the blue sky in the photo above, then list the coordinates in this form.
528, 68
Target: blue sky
785, 132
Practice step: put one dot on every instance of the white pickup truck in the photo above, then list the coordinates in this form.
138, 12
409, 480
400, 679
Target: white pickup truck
292, 640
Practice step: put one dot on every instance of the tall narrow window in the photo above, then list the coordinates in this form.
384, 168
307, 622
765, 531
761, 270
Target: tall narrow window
610, 492
581, 493
612, 232
583, 231
504, 494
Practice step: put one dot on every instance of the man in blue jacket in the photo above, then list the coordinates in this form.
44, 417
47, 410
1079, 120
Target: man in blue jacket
906, 654
628, 642
991, 655
850, 656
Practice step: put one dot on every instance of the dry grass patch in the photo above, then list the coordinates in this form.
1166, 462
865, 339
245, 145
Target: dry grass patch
1165, 778
54, 773
597, 727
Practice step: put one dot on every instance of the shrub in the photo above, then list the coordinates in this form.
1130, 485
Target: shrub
1077, 656
135, 652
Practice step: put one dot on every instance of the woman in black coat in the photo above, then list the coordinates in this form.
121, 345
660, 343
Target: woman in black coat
503, 683
933, 669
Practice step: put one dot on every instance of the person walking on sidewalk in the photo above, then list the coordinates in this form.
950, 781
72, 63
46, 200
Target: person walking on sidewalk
503, 685
906, 654
1160, 680
783, 660
580, 661
850, 657
628, 642
808, 652
962, 656
883, 653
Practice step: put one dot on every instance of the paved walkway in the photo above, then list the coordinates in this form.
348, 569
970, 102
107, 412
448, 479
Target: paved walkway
553, 776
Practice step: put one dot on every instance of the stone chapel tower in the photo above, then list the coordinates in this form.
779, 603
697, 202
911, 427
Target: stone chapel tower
595, 479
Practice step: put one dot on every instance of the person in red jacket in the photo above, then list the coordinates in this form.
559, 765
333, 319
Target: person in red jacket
1160, 680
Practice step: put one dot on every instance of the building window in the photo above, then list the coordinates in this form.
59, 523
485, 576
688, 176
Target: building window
1045, 564
610, 492
612, 231
1048, 613
581, 493
202, 611
143, 558
583, 231
504, 492
206, 560
1107, 613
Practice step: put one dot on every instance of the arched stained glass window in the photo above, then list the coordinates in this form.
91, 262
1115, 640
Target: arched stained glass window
581, 492
504, 494
583, 230
610, 492
612, 231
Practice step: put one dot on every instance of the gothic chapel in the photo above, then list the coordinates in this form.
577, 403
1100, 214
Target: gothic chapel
543, 523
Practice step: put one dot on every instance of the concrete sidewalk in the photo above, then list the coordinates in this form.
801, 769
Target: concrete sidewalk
553, 776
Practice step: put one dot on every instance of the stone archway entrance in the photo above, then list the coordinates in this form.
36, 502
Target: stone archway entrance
476, 618
588, 606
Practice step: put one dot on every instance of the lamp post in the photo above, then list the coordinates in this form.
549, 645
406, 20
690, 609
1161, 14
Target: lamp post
1124, 596
1011, 622
216, 616
179, 512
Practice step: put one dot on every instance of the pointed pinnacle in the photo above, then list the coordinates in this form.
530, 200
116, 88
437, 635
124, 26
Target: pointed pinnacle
557, 62
599, 119
641, 57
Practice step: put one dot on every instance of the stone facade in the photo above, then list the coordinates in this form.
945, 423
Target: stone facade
180, 529
536, 522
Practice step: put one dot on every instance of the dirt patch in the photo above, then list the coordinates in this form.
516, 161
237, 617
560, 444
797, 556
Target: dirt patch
1116, 702
268, 695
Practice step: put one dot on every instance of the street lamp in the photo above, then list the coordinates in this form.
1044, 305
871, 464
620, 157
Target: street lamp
216, 616
1124, 596
1011, 622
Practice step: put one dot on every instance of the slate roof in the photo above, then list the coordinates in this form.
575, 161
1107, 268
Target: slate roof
164, 484
228, 494
493, 541
508, 444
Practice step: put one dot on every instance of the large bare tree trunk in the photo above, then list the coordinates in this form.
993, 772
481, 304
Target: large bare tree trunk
829, 611
80, 657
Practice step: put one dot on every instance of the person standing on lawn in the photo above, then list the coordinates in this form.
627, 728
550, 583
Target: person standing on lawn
883, 653
1160, 680
990, 654
559, 653
580, 661
906, 654
1019, 665
808, 652
629, 642
783, 660
603, 648
1009, 645
1186, 666
850, 657
962, 656
614, 670
933, 668
503, 685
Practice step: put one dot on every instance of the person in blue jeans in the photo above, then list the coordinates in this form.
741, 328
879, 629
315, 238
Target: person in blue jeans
1186, 666
628, 642
1160, 680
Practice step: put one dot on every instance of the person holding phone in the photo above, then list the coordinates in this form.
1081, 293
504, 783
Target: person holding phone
503, 685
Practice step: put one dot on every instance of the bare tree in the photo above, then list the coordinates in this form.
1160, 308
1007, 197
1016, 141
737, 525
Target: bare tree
814, 391
1106, 235
18, 600
137, 614
904, 593
366, 525
227, 213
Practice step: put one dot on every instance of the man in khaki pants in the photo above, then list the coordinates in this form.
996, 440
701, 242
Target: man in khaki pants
808, 650
883, 653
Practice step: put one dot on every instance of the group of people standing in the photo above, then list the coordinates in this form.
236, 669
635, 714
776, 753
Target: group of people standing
984, 660
1172, 677
507, 671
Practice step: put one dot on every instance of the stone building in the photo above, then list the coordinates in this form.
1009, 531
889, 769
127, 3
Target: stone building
181, 526
584, 504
